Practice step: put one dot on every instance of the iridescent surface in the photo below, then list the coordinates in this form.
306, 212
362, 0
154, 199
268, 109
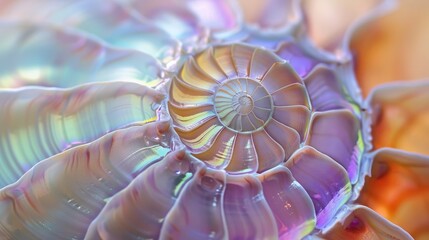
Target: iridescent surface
204, 119
48, 121
105, 20
45, 56
77, 181
245, 96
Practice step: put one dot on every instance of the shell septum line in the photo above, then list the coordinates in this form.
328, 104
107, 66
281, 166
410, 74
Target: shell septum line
157, 120
236, 101
229, 102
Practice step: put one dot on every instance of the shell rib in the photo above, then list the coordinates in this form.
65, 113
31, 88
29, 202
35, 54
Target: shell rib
396, 187
47, 121
360, 222
216, 119
53, 57
400, 116
106, 20
60, 196
237, 96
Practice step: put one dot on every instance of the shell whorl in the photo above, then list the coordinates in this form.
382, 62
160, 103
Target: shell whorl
239, 108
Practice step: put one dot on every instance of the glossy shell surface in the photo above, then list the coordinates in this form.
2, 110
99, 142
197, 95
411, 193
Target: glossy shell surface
125, 119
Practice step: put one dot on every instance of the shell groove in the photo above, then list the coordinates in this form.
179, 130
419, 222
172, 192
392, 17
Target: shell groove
245, 110
170, 119
237, 98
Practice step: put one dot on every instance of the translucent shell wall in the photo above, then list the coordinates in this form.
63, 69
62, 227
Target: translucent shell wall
245, 110
202, 119
239, 108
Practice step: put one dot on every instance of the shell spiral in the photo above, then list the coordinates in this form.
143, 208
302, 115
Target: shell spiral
234, 107
244, 110
134, 119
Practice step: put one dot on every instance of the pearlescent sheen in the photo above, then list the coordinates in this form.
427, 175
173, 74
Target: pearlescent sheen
76, 183
207, 119
38, 123
46, 56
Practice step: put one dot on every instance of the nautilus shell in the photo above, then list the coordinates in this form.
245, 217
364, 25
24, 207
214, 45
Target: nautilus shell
204, 119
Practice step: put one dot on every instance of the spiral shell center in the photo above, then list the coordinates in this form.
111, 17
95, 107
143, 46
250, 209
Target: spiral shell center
239, 108
243, 105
